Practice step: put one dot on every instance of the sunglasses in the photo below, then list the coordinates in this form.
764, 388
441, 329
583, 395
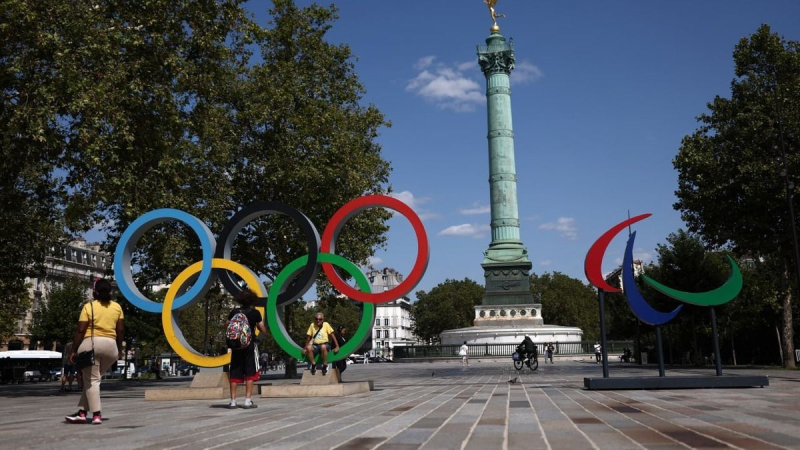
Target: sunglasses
319, 320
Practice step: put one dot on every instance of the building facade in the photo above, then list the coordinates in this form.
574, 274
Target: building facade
393, 325
78, 259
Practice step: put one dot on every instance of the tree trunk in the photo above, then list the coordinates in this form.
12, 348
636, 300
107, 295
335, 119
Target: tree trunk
787, 329
733, 347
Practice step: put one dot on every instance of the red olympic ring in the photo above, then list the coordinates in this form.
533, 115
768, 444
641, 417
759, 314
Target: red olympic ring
344, 214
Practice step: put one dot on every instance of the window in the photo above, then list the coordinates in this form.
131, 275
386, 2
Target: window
386, 334
377, 334
386, 322
377, 322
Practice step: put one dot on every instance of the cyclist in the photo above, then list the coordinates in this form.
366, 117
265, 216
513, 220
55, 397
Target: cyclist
527, 349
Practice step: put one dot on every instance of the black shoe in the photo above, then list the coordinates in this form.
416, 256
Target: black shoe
324, 369
78, 417
314, 370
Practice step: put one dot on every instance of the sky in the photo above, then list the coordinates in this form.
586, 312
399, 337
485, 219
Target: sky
602, 94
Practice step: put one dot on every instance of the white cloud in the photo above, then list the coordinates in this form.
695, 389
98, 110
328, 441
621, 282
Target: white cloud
424, 62
447, 86
476, 209
525, 72
466, 229
565, 226
374, 261
639, 254
545, 263
415, 203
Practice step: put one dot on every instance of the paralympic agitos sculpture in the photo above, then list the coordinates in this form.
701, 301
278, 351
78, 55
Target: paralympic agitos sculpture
649, 315
216, 264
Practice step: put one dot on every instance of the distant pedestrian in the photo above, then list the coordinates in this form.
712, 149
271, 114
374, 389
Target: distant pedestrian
549, 349
155, 369
464, 353
67, 369
244, 360
598, 355
366, 357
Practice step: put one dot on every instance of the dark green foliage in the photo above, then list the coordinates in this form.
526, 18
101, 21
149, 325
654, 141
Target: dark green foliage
112, 109
447, 306
731, 187
57, 316
567, 302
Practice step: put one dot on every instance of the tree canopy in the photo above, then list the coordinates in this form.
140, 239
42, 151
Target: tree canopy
112, 109
447, 306
737, 171
567, 301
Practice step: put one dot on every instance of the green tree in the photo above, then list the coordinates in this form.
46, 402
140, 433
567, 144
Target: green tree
731, 185
567, 301
163, 104
57, 316
447, 306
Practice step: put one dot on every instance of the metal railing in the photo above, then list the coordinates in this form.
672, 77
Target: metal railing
482, 350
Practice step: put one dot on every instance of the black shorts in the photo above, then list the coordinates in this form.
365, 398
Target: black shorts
243, 365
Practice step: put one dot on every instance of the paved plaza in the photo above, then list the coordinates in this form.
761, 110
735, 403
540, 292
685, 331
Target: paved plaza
429, 406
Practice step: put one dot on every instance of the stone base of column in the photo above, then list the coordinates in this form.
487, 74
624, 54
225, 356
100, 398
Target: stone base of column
507, 284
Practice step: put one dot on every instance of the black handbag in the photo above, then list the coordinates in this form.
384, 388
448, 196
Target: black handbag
86, 359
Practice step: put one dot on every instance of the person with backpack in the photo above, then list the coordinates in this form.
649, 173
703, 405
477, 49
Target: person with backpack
240, 337
318, 341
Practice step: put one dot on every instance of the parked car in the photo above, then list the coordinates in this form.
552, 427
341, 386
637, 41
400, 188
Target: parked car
32, 375
55, 374
358, 359
380, 359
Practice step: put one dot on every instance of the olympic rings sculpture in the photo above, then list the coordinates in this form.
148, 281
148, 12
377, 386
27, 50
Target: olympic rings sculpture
216, 264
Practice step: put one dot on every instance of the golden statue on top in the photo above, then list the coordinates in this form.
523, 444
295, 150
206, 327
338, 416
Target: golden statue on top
491, 4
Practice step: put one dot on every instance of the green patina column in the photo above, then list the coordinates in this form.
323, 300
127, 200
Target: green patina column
506, 264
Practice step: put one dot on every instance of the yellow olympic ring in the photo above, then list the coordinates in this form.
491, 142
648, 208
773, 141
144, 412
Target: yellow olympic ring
173, 332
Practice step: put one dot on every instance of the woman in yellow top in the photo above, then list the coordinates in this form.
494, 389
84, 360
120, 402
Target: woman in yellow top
100, 327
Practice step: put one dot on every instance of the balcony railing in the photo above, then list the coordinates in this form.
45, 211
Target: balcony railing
482, 350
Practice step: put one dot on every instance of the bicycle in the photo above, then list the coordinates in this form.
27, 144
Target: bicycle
531, 361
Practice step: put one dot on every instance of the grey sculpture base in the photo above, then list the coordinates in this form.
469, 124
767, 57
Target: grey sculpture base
707, 382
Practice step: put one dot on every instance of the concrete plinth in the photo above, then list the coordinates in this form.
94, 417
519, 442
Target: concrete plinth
317, 385
205, 386
318, 379
328, 390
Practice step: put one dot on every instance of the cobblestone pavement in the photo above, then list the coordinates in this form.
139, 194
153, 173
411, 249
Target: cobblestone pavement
428, 406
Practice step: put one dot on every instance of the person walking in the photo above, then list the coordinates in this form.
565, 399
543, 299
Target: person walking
318, 341
548, 352
366, 357
67, 369
597, 352
101, 329
464, 352
244, 361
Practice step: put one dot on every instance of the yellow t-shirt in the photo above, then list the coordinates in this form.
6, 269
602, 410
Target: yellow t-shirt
322, 337
105, 318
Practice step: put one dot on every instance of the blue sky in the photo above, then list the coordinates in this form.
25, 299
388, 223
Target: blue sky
603, 93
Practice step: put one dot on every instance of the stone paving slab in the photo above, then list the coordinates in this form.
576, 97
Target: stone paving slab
425, 406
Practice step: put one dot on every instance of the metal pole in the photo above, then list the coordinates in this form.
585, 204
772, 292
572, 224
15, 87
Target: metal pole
205, 334
660, 352
603, 350
717, 357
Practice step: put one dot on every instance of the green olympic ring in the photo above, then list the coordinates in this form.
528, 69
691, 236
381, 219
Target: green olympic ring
718, 296
285, 341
